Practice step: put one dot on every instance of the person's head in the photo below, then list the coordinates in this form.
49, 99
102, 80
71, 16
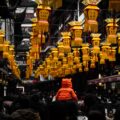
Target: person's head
24, 114
117, 114
66, 83
96, 115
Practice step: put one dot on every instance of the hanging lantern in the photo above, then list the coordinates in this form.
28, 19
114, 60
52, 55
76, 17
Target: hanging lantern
118, 43
6, 46
54, 52
102, 58
95, 39
43, 13
91, 14
92, 63
112, 55
5, 54
76, 52
111, 29
105, 50
60, 50
2, 37
76, 33
80, 67
67, 71
66, 41
11, 50
70, 59
35, 28
85, 52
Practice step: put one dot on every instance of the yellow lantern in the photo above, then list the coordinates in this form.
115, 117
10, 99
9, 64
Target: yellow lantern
102, 58
1, 47
95, 39
76, 33
60, 50
76, 60
91, 14
113, 54
105, 50
66, 41
70, 59
92, 64
111, 29
6, 46
42, 16
2, 37
35, 29
54, 52
118, 43
85, 52
5, 54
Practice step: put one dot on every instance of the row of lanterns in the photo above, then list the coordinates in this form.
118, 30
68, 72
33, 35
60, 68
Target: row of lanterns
8, 53
73, 54
39, 27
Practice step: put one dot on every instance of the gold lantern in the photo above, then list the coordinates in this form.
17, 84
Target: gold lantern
85, 52
112, 56
92, 63
118, 43
102, 59
105, 50
43, 13
76, 33
70, 59
80, 67
54, 52
111, 29
76, 52
85, 56
6, 46
35, 28
60, 50
91, 14
95, 39
2, 37
11, 50
66, 41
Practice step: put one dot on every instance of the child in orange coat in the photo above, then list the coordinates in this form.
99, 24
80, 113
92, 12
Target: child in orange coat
66, 92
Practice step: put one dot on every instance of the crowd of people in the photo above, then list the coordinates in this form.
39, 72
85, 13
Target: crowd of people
65, 105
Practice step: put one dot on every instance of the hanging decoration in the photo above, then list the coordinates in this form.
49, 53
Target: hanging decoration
74, 54
91, 12
66, 41
111, 29
76, 30
43, 13
8, 53
85, 56
118, 43
96, 46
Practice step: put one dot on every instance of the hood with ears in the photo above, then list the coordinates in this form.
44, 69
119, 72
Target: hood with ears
66, 83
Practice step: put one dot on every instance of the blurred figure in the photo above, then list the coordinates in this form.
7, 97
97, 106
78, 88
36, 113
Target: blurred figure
25, 114
66, 92
96, 115
117, 114
65, 107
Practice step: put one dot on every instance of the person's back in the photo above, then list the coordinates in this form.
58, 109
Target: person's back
96, 115
66, 92
24, 114
65, 105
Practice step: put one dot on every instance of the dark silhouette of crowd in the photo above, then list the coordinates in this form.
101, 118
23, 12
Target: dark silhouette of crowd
63, 105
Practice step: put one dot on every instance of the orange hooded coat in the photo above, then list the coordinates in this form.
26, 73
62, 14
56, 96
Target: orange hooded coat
66, 92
